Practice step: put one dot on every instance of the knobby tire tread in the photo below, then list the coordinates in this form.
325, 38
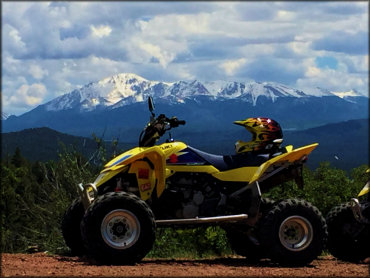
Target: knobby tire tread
270, 228
343, 228
71, 227
91, 229
238, 238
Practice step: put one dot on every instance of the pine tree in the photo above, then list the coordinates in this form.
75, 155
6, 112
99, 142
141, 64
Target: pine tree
17, 159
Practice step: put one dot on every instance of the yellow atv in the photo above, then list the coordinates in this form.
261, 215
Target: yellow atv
173, 184
349, 228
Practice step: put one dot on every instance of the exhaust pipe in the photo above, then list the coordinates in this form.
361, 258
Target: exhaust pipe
202, 220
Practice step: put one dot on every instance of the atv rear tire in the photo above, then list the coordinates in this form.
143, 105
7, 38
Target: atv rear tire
118, 228
348, 239
244, 240
293, 232
71, 227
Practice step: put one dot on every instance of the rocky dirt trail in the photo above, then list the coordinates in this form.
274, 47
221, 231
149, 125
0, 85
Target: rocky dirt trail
40, 264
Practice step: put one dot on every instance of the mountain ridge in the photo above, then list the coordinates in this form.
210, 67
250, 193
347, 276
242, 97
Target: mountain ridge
127, 88
117, 105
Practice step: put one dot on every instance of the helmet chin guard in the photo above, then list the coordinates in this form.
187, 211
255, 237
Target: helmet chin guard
266, 133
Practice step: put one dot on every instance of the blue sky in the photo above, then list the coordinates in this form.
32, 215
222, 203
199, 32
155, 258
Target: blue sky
51, 48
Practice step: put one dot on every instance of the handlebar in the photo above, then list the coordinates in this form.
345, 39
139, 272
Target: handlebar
174, 122
156, 128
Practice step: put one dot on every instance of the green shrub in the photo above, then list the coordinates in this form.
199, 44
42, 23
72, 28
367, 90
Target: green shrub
325, 187
198, 242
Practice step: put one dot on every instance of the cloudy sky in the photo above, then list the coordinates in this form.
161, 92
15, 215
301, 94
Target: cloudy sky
51, 48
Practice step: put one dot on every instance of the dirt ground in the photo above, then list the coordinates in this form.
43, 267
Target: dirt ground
41, 264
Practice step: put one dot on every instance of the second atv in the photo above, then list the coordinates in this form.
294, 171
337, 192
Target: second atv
173, 184
349, 227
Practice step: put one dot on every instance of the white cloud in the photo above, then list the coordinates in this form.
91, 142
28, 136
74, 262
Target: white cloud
12, 40
283, 15
254, 51
155, 51
100, 31
64, 45
341, 79
37, 72
231, 66
313, 72
332, 80
176, 25
14, 35
28, 95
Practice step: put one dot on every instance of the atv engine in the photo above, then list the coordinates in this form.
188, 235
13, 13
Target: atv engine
193, 194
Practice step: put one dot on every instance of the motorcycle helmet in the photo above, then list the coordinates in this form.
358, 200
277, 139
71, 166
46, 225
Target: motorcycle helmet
264, 132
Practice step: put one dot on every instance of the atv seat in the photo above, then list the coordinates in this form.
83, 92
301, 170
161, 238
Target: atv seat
228, 162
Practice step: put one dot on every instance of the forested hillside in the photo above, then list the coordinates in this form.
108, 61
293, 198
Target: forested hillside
43, 144
345, 145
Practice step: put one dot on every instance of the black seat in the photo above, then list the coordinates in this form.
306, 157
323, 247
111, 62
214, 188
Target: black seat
228, 162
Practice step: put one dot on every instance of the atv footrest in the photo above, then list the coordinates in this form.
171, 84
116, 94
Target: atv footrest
202, 220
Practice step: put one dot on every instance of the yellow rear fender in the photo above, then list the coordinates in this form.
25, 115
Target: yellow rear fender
150, 172
365, 190
282, 161
243, 174
289, 148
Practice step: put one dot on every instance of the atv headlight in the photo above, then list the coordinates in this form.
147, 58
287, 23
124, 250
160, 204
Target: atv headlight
88, 193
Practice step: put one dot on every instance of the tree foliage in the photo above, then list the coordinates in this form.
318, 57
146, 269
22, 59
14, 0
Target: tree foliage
195, 243
325, 187
34, 197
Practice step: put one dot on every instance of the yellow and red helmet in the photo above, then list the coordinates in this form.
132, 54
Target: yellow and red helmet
264, 132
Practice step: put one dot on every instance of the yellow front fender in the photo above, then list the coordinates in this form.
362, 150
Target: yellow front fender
131, 158
289, 157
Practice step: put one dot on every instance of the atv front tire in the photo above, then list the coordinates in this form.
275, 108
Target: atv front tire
348, 239
118, 228
71, 227
293, 232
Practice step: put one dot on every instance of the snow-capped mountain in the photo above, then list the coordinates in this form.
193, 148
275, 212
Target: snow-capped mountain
350, 96
118, 105
4, 116
351, 93
127, 88
107, 92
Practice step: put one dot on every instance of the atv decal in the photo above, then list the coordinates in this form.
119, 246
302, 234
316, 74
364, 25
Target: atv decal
186, 157
173, 158
146, 178
143, 173
166, 147
145, 187
120, 160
